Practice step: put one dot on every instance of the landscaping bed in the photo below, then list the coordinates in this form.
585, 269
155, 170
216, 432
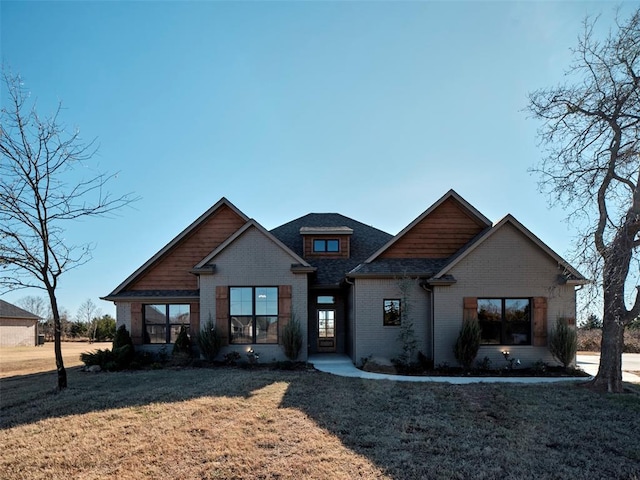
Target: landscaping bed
539, 370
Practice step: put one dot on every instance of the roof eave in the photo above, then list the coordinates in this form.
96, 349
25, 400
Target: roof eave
176, 240
441, 282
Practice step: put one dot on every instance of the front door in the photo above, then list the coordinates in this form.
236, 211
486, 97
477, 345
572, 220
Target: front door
326, 330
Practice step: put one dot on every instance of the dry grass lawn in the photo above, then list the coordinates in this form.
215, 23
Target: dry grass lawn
25, 360
246, 424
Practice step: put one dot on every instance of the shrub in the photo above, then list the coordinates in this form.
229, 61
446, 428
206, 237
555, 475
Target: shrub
183, 342
209, 341
563, 342
589, 340
231, 358
468, 342
122, 347
99, 357
292, 338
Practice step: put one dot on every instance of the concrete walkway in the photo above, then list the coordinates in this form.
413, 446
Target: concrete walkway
589, 362
341, 365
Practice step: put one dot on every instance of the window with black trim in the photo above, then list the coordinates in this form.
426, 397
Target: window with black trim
505, 321
326, 245
253, 315
162, 322
391, 312
326, 299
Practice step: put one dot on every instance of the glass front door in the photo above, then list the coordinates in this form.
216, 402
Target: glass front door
326, 330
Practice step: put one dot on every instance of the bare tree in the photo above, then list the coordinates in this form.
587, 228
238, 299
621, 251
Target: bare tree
36, 305
88, 313
42, 189
591, 131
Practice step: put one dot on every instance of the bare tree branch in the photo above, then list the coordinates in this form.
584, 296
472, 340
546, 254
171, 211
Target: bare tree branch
591, 137
40, 192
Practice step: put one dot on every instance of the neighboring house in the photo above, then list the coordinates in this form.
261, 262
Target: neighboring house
18, 328
349, 284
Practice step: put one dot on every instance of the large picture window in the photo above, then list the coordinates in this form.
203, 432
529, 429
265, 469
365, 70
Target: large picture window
162, 322
253, 314
505, 321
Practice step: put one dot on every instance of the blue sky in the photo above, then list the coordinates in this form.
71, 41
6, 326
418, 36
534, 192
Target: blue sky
370, 109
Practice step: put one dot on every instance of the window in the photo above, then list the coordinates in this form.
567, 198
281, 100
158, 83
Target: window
391, 312
326, 323
330, 246
162, 322
326, 299
254, 314
505, 321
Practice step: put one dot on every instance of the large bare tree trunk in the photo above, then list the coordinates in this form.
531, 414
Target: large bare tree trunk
616, 315
57, 341
609, 377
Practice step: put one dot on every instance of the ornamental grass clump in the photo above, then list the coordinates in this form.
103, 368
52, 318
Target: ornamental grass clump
292, 339
209, 341
468, 343
563, 342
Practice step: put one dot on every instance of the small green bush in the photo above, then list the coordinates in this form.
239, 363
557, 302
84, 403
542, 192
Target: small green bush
292, 339
468, 343
122, 347
99, 357
183, 342
118, 358
209, 341
563, 342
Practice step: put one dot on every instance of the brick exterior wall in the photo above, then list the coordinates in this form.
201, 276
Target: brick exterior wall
371, 336
254, 260
123, 315
507, 264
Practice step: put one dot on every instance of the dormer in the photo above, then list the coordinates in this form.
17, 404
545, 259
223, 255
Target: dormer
326, 242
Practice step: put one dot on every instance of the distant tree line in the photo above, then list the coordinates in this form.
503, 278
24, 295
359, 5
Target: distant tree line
89, 322
593, 322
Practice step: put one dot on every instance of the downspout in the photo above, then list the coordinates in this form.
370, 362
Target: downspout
429, 290
353, 319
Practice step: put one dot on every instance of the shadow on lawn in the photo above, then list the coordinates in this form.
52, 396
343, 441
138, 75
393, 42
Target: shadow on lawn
438, 430
408, 430
26, 399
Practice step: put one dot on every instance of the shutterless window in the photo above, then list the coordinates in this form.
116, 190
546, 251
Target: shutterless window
326, 299
505, 321
253, 314
391, 312
162, 322
330, 245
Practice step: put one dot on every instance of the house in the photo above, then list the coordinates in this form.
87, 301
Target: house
349, 284
18, 328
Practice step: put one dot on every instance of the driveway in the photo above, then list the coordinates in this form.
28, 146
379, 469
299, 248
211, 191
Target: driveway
589, 361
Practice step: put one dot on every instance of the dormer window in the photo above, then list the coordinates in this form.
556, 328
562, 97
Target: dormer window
326, 242
330, 245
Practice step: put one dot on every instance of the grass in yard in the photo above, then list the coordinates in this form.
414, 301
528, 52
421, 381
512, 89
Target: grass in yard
26, 360
235, 423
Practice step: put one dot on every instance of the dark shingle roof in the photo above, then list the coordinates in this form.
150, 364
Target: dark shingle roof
150, 295
8, 310
402, 266
365, 240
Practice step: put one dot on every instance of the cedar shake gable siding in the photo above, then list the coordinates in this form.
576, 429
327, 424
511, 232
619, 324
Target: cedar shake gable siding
440, 234
172, 270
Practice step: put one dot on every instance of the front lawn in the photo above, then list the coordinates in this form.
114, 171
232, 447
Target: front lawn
236, 423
